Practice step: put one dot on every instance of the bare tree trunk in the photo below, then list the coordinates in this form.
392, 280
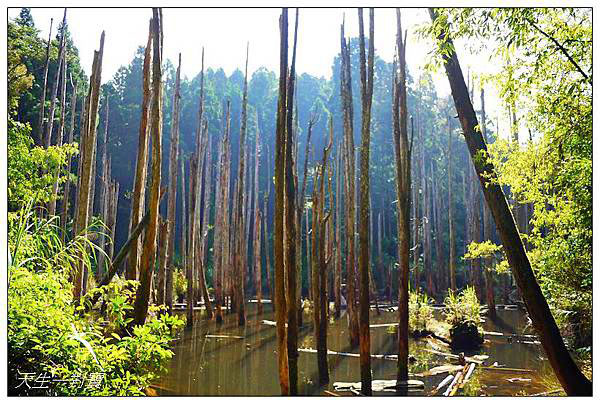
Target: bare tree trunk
105, 183
112, 221
61, 58
40, 127
567, 372
87, 160
240, 257
451, 256
280, 303
139, 188
366, 80
346, 95
167, 265
319, 264
290, 228
223, 219
163, 241
337, 283
487, 230
257, 223
59, 136
67, 192
148, 250
403, 158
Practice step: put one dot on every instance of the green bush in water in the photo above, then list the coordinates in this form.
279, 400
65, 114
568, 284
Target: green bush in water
462, 312
179, 285
420, 312
55, 350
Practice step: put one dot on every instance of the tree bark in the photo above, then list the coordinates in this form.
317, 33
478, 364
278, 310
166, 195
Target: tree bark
567, 372
452, 254
140, 309
346, 95
403, 159
40, 128
280, 303
139, 188
366, 80
87, 160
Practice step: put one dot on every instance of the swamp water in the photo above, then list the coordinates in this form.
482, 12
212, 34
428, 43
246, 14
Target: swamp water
213, 360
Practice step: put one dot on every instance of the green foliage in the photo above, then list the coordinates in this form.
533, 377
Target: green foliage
47, 335
420, 312
463, 308
485, 249
32, 170
179, 284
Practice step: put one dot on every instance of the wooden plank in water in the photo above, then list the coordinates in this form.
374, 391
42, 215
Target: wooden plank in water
380, 385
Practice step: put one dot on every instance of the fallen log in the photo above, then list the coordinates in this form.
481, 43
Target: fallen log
451, 386
331, 393
223, 336
503, 369
459, 382
468, 375
441, 369
380, 385
478, 359
350, 354
443, 383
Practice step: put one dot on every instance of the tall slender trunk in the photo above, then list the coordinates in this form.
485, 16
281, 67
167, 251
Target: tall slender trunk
105, 183
257, 227
290, 227
87, 160
163, 242
403, 158
280, 303
451, 255
366, 80
139, 188
40, 128
166, 268
148, 250
67, 192
567, 372
59, 135
346, 95
61, 58
337, 283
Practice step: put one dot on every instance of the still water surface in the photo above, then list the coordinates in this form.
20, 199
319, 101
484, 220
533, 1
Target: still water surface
207, 364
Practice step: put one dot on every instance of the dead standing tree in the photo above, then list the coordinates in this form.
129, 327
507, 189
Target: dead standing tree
166, 269
319, 264
403, 158
290, 227
240, 257
366, 81
40, 127
278, 244
139, 188
346, 95
87, 160
140, 308
567, 372
59, 63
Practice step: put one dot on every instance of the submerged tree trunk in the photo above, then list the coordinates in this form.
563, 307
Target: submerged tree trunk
451, 255
139, 188
567, 372
280, 303
87, 160
346, 95
148, 250
403, 159
166, 268
290, 228
366, 80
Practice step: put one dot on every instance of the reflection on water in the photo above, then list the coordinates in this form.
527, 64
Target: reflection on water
208, 362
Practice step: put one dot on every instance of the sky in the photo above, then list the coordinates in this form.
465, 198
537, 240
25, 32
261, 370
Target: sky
224, 32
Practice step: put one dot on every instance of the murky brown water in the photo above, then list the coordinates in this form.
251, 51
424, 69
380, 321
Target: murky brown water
207, 365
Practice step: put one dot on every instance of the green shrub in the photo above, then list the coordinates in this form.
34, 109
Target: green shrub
179, 285
420, 312
56, 349
462, 312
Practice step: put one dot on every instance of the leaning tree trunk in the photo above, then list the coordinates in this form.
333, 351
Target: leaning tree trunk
87, 159
139, 187
366, 80
140, 308
403, 159
567, 372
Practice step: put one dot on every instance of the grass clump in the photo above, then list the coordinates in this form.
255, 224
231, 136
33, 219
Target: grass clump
462, 312
420, 313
